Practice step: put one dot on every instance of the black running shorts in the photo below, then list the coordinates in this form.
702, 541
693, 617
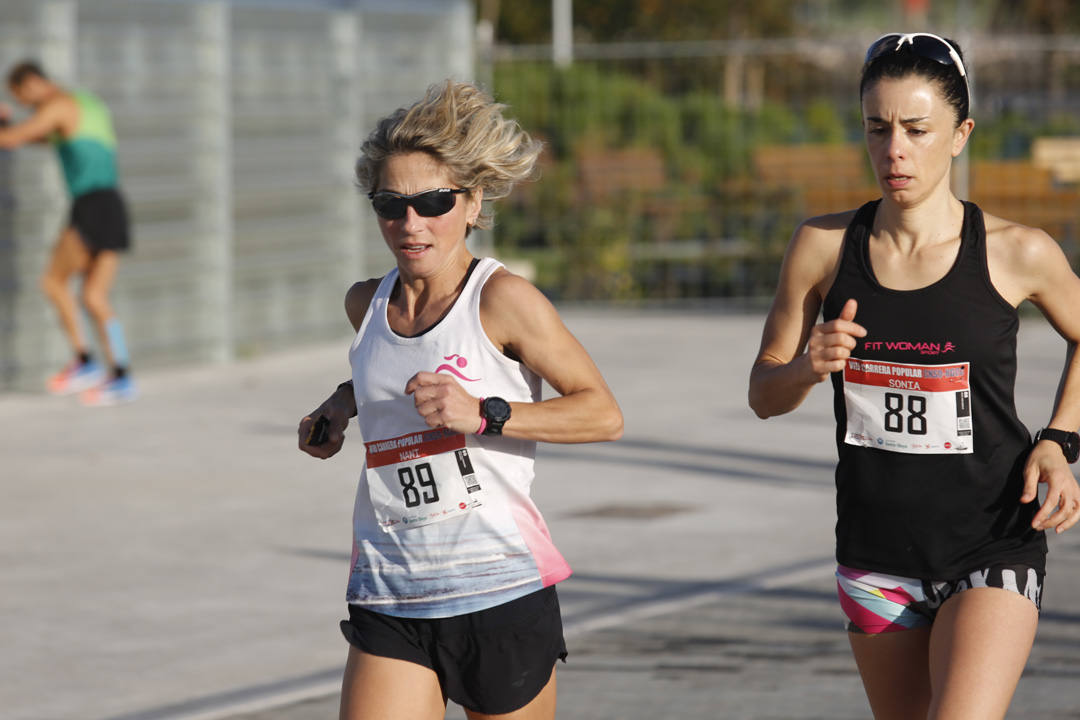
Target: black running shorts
491, 661
101, 218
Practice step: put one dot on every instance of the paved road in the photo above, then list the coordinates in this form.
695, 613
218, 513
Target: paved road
176, 559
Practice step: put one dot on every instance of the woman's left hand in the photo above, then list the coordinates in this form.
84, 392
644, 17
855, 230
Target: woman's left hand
1061, 509
443, 403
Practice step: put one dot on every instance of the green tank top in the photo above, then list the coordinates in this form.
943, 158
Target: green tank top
88, 157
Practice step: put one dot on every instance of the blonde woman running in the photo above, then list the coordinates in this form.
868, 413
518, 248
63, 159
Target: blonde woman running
452, 588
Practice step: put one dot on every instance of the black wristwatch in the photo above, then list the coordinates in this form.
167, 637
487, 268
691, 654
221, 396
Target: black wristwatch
496, 411
1069, 441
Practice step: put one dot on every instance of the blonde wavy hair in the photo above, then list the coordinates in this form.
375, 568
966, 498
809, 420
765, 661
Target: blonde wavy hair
462, 127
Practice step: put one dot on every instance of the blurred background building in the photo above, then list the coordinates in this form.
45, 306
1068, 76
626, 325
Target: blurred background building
238, 126
685, 139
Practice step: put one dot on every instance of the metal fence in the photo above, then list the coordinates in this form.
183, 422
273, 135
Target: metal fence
680, 169
238, 127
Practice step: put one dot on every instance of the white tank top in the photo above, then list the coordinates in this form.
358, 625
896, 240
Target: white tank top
443, 523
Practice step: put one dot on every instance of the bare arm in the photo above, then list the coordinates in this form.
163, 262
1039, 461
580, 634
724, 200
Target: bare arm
795, 353
518, 318
341, 405
1056, 293
47, 119
1037, 270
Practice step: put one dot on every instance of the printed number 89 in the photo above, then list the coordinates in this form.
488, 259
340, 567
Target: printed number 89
425, 478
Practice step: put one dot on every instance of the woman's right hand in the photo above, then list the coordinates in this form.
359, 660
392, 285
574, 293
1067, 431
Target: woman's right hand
337, 409
831, 343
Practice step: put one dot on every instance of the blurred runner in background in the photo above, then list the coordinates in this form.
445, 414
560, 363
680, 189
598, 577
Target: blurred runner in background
79, 126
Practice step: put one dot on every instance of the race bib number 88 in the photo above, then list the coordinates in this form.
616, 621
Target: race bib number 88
923, 409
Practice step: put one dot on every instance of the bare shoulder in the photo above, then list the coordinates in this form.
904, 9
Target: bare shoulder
829, 224
506, 288
814, 252
1016, 243
62, 100
512, 308
63, 111
824, 230
1023, 261
358, 298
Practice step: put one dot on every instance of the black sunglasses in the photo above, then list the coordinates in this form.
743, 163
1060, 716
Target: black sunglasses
430, 203
925, 45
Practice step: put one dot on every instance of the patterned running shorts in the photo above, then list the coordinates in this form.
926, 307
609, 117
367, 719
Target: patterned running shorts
879, 603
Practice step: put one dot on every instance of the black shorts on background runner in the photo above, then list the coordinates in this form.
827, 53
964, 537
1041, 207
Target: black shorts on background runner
101, 218
491, 661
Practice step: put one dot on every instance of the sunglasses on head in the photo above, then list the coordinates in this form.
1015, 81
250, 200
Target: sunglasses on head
925, 45
430, 203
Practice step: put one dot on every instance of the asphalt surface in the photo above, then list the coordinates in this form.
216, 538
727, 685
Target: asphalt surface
178, 559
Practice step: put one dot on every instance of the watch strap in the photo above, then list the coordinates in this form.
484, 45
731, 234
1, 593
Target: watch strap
1069, 441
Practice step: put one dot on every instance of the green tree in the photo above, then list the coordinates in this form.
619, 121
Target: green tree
529, 21
1045, 17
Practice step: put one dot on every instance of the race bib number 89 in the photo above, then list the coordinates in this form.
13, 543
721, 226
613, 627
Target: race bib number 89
420, 478
924, 409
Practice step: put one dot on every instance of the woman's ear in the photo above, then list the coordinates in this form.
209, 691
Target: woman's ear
961, 135
476, 199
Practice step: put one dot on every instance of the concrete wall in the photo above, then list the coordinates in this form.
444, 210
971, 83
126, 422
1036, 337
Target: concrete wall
238, 127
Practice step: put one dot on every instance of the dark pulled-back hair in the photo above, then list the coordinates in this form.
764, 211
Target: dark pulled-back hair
904, 62
18, 74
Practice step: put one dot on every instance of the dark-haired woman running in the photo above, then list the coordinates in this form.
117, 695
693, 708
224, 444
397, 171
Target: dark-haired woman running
939, 532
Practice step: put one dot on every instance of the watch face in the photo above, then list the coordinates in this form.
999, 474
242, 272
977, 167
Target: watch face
1069, 442
497, 409
1071, 447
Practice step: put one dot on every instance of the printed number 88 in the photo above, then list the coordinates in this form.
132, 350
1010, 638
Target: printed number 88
894, 413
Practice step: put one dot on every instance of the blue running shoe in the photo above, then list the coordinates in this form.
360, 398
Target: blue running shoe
75, 377
113, 392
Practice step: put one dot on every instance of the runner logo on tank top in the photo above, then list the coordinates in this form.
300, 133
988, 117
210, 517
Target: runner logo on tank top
460, 362
420, 478
902, 407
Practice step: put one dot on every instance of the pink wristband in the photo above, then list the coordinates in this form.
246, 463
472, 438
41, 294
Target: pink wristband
483, 420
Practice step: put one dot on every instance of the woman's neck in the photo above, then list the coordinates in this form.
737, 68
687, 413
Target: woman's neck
910, 228
418, 294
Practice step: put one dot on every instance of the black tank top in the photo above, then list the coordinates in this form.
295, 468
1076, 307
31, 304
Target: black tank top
931, 451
